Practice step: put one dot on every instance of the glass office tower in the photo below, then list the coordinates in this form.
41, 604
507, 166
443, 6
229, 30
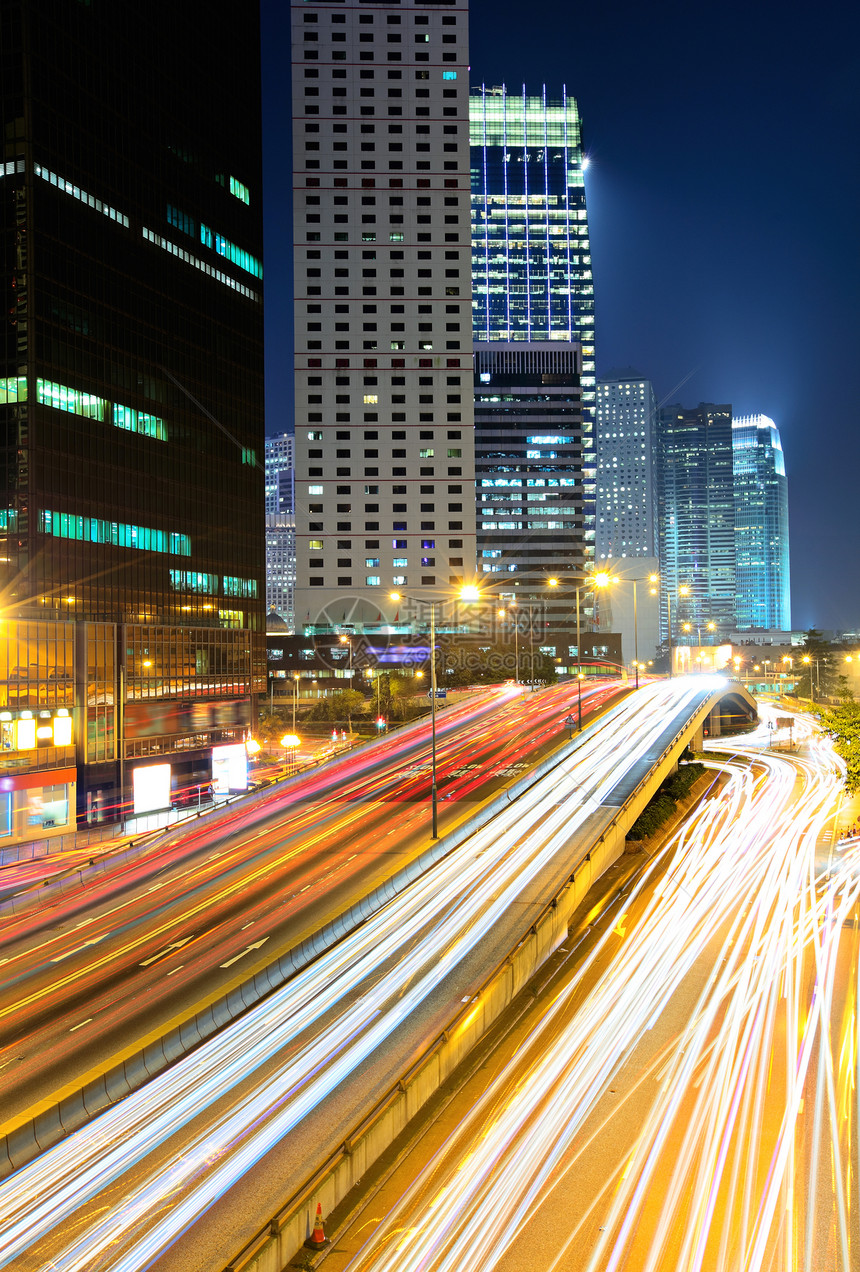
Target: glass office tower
696, 516
533, 326
761, 525
131, 392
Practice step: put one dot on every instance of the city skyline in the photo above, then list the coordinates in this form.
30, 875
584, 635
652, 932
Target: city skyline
708, 271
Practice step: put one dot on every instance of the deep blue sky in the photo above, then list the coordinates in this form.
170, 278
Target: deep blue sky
724, 205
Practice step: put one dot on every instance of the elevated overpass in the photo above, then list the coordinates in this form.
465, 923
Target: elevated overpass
567, 820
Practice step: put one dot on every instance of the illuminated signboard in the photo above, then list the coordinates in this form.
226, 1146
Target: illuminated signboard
151, 788
229, 768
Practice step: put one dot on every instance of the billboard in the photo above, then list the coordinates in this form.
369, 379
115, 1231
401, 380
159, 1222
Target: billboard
229, 768
151, 788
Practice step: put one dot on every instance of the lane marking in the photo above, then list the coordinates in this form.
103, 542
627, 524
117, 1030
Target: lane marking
88, 1021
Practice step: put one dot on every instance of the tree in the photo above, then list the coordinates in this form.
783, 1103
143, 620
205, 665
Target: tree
843, 725
339, 706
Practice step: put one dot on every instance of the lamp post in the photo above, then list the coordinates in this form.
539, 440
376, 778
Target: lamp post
809, 660
512, 605
683, 590
290, 742
295, 697
466, 594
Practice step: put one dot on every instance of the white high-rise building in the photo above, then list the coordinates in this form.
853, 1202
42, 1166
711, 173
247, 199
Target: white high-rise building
382, 245
626, 496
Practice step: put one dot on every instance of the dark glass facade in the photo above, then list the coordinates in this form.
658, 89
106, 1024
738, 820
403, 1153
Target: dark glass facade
696, 517
131, 390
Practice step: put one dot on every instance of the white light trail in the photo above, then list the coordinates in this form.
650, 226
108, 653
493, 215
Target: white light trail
426, 931
709, 1184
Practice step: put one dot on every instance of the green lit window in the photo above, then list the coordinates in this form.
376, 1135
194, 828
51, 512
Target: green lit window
239, 587
66, 525
8, 519
135, 421
240, 191
13, 389
181, 220
193, 581
249, 456
426, 452
63, 398
449, 75
225, 248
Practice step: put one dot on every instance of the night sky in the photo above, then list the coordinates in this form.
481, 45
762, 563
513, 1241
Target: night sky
724, 206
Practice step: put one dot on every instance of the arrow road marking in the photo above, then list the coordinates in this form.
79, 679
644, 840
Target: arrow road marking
177, 945
78, 948
236, 957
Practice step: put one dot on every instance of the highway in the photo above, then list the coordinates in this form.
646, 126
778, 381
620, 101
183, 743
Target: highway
684, 1098
118, 1193
139, 942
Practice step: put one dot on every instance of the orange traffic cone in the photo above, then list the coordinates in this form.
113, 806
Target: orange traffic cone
318, 1238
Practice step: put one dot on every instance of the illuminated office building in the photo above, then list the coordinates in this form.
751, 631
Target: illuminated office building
131, 399
533, 326
626, 495
696, 516
280, 474
383, 350
763, 586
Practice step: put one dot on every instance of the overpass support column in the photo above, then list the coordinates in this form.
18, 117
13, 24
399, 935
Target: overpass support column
715, 722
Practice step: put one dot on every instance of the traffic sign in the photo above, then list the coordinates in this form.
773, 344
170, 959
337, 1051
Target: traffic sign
440, 693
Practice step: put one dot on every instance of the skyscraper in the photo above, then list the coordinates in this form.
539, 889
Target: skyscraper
626, 496
384, 417
763, 587
281, 526
533, 325
280, 473
696, 503
131, 403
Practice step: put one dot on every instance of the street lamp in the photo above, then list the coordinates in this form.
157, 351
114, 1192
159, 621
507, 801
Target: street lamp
347, 640
808, 660
295, 697
465, 594
512, 605
290, 742
683, 590
601, 579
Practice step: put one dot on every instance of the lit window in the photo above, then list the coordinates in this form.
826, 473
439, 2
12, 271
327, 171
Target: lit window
449, 75
315, 490
315, 545
238, 255
371, 563
426, 452
239, 191
371, 399
67, 187
315, 436
399, 561
373, 580
66, 525
399, 580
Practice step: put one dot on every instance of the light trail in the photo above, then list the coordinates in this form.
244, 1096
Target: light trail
396, 958
761, 1071
269, 864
